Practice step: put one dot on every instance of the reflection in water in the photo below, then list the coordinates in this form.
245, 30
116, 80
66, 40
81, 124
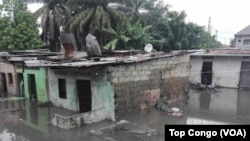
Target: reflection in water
243, 103
32, 122
225, 106
205, 99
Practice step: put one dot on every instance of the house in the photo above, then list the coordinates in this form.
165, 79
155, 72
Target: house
223, 67
106, 87
7, 76
18, 80
242, 38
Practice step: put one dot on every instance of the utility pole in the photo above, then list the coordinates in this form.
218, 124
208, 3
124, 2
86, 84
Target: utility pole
209, 26
209, 31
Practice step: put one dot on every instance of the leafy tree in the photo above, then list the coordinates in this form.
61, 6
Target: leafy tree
176, 34
18, 26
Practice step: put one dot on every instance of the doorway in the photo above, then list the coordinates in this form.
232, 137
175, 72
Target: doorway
32, 86
206, 75
4, 84
245, 75
20, 84
84, 95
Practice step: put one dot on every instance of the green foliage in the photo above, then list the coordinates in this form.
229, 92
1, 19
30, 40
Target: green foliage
18, 28
176, 34
116, 25
129, 36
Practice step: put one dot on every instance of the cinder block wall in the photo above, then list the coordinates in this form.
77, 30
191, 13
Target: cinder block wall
137, 86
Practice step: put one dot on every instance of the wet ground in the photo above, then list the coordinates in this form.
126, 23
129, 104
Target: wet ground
23, 120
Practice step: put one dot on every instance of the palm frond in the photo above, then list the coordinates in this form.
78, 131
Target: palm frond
40, 11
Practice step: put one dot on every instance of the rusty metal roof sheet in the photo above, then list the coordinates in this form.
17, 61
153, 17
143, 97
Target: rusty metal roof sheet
223, 52
100, 61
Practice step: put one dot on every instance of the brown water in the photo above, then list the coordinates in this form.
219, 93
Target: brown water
32, 122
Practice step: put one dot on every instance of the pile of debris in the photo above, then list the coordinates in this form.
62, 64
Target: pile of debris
163, 107
198, 86
125, 130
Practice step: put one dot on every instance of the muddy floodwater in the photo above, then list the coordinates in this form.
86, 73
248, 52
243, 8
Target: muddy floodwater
23, 120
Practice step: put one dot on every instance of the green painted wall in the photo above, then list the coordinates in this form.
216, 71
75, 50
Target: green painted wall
40, 79
103, 94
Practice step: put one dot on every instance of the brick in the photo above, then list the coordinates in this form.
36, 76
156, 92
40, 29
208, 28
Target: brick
131, 67
122, 68
138, 67
112, 69
145, 67
134, 73
127, 74
115, 80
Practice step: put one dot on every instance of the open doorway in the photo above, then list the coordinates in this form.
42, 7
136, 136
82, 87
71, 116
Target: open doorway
245, 75
4, 85
84, 95
20, 84
32, 86
207, 75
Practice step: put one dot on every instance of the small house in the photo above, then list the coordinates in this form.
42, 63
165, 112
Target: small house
224, 67
106, 87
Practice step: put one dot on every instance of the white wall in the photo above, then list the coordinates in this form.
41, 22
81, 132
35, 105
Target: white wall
240, 40
226, 70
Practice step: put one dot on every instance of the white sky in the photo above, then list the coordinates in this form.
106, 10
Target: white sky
227, 16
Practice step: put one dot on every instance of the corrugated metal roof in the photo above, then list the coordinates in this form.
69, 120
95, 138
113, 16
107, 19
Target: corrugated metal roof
245, 31
102, 61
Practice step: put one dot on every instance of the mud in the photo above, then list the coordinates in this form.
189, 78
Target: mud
32, 122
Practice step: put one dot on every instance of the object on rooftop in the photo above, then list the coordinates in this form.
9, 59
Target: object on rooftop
148, 48
69, 44
92, 45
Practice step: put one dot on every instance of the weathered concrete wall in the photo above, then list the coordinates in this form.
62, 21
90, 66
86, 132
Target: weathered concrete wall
102, 91
8, 68
79, 119
137, 86
226, 70
41, 83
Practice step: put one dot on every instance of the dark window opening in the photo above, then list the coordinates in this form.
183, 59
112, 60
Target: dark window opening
62, 88
10, 78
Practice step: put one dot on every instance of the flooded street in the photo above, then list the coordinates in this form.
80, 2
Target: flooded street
23, 120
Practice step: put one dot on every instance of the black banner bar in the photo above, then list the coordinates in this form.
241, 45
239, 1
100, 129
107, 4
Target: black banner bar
207, 132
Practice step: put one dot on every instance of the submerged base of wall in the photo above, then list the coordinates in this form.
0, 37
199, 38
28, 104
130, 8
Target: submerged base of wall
79, 119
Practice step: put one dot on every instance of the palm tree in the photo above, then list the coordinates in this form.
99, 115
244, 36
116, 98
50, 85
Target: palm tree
149, 11
53, 16
92, 16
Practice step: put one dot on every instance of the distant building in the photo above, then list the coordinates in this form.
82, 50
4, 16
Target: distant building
242, 38
224, 67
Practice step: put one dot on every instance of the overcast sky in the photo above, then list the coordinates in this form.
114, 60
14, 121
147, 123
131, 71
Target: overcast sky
227, 16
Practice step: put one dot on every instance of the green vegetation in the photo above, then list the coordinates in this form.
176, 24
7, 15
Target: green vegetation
123, 24
18, 29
